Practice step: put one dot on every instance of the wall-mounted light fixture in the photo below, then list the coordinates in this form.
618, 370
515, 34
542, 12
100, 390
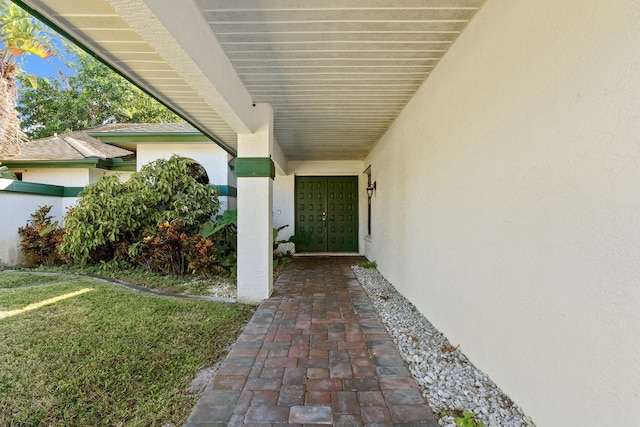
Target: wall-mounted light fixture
370, 190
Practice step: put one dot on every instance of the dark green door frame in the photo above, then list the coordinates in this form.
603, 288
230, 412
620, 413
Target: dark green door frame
327, 210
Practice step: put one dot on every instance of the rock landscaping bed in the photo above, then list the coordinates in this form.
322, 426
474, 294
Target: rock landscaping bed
449, 382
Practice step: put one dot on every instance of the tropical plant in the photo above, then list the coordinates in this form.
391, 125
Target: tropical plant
111, 215
20, 34
92, 96
169, 250
39, 239
281, 258
301, 242
223, 232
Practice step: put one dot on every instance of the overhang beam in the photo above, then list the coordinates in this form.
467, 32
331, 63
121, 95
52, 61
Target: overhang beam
177, 33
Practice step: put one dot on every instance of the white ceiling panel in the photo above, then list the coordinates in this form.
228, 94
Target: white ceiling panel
337, 72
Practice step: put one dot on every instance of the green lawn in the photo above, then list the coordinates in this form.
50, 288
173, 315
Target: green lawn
104, 355
187, 285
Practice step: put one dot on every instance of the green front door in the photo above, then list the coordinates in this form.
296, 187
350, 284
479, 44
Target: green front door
327, 210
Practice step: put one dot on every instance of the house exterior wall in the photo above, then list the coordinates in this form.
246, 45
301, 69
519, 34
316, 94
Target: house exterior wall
66, 177
213, 158
507, 205
20, 207
284, 191
95, 174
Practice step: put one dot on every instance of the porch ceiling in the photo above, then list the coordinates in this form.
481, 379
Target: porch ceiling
337, 72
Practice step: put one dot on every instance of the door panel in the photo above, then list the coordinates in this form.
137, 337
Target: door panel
310, 203
342, 214
327, 208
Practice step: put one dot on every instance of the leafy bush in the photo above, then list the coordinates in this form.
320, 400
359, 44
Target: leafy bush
203, 257
282, 258
169, 250
39, 239
111, 215
224, 235
163, 250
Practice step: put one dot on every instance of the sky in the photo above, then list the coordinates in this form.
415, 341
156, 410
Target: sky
48, 68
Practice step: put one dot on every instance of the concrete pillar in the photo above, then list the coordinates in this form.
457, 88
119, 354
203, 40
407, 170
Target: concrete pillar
255, 171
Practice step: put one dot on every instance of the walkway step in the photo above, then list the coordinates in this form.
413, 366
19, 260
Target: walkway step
315, 353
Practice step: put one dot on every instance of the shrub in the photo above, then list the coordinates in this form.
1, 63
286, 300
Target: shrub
162, 251
203, 257
111, 215
169, 250
39, 239
223, 233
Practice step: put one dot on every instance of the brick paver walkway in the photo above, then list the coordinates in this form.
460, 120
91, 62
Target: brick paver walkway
315, 353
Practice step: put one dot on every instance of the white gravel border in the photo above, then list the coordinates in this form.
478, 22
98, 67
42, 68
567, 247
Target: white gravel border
447, 379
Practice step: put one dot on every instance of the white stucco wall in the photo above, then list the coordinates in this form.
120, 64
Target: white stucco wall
18, 208
508, 204
95, 174
66, 204
66, 177
284, 191
213, 158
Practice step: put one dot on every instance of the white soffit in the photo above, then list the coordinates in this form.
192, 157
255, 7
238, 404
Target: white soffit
128, 35
337, 72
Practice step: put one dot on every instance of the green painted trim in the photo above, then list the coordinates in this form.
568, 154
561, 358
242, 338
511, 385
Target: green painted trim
49, 164
72, 191
253, 167
75, 41
123, 166
24, 187
34, 188
110, 164
152, 137
226, 190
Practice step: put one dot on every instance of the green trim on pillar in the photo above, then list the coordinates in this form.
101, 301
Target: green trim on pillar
255, 167
226, 190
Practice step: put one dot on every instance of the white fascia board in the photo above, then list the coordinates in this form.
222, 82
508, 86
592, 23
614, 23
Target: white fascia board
179, 33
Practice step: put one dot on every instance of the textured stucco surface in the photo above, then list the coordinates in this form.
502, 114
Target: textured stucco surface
212, 158
507, 206
95, 174
18, 210
255, 219
67, 177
